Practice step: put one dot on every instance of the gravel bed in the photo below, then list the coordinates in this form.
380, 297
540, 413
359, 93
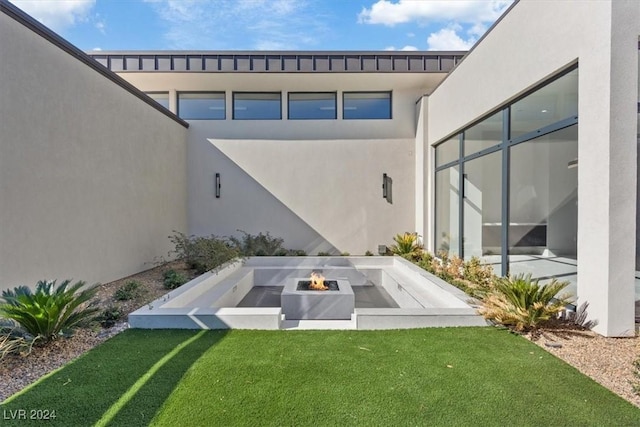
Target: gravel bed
606, 360
18, 372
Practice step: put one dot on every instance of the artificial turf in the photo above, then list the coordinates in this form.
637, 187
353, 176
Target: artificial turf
449, 376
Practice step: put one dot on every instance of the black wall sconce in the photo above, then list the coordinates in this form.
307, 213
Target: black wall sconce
387, 188
218, 186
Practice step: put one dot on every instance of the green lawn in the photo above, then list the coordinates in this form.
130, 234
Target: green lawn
453, 376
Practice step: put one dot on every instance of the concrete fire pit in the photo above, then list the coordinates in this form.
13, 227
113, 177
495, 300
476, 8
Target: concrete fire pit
317, 305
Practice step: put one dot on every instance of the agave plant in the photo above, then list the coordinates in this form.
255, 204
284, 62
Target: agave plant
49, 311
523, 303
407, 245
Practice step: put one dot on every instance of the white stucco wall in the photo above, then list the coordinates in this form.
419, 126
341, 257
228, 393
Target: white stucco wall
92, 179
316, 183
535, 40
318, 195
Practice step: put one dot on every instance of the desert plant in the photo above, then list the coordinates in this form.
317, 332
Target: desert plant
635, 384
368, 253
203, 253
407, 245
345, 253
13, 341
322, 253
472, 276
173, 279
49, 311
130, 290
110, 315
262, 244
296, 252
522, 303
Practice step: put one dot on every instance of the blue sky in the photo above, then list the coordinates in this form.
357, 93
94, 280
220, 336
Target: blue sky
267, 24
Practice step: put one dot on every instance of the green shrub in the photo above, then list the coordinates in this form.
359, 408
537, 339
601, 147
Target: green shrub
407, 245
203, 253
345, 253
110, 316
472, 276
262, 244
368, 253
522, 303
321, 253
49, 311
130, 290
173, 279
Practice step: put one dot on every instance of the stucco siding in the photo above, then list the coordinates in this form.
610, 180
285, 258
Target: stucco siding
534, 41
92, 179
318, 195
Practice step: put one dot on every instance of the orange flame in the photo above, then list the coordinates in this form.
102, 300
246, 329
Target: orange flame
317, 282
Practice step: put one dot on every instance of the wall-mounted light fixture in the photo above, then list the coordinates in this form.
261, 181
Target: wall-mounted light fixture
218, 186
387, 188
572, 164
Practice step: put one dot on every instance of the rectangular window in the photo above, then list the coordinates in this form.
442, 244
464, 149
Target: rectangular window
201, 106
555, 101
482, 207
257, 106
366, 105
161, 98
448, 151
486, 134
447, 210
318, 106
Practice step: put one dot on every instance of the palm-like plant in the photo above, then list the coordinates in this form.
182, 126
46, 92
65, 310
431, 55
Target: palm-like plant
50, 310
523, 303
407, 244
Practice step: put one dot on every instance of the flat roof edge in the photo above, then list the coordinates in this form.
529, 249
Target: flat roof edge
280, 62
26, 20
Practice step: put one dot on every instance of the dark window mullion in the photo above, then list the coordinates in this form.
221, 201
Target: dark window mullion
461, 199
506, 184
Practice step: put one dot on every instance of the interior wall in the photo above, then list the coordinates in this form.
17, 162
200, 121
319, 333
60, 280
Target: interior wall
92, 179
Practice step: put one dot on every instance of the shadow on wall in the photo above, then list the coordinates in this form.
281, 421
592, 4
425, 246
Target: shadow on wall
223, 199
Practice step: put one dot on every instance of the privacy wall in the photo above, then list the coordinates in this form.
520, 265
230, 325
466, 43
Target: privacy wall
92, 178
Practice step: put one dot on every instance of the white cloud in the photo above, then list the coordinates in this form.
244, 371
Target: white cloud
97, 49
448, 39
406, 48
57, 14
219, 24
100, 25
390, 13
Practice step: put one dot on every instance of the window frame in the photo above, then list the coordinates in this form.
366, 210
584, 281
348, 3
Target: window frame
218, 92
390, 115
335, 105
160, 92
233, 104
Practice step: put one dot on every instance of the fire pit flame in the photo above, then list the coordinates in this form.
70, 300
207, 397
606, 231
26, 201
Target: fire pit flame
317, 282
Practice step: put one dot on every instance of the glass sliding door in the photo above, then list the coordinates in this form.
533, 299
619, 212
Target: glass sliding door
447, 210
482, 208
517, 207
543, 223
